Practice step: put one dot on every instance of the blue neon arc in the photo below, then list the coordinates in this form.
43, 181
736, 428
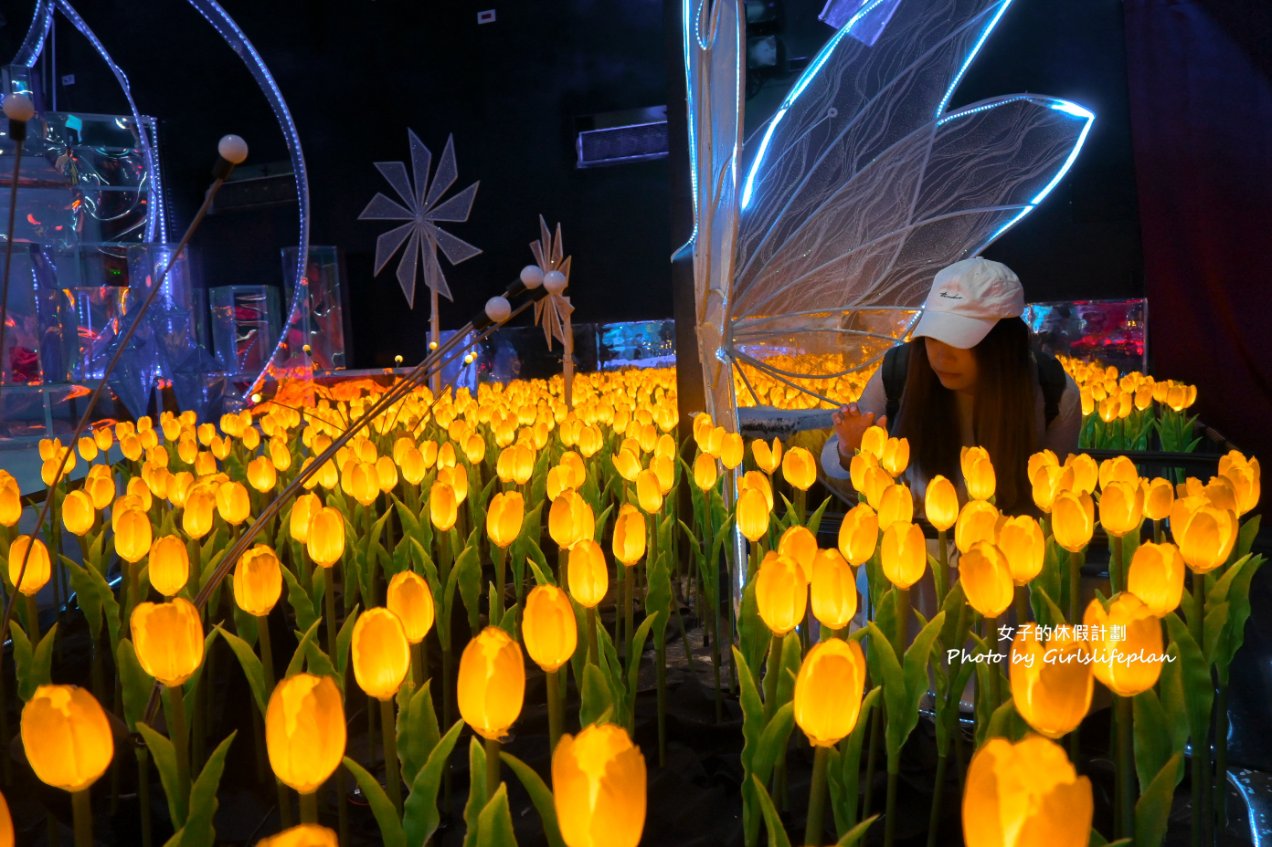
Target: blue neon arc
971, 56
820, 61
802, 83
1069, 109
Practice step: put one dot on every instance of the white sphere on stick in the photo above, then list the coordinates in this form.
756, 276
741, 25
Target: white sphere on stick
554, 281
532, 276
18, 107
232, 149
498, 309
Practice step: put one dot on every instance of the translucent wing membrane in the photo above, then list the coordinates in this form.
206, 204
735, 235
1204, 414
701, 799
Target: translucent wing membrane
816, 245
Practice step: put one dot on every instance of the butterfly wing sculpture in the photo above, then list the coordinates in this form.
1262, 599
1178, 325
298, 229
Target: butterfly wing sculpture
832, 221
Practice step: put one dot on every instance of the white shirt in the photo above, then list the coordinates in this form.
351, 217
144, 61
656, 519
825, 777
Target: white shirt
1061, 436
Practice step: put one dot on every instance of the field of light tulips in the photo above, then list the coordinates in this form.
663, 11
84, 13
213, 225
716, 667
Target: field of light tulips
463, 558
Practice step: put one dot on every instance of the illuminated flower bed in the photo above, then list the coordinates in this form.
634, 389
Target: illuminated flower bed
466, 560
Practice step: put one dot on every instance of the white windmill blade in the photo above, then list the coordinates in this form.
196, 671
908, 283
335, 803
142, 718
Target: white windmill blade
423, 208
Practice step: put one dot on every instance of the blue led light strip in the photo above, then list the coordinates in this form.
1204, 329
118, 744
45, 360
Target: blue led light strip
242, 47
155, 223
1075, 111
980, 42
805, 79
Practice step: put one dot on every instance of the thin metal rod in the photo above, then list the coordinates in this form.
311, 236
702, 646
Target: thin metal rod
8, 257
411, 381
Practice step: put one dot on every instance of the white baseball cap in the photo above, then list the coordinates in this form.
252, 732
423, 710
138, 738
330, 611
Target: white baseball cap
967, 299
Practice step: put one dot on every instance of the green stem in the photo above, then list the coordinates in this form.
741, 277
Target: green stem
417, 664
872, 758
995, 676
1220, 797
629, 607
500, 555
943, 569
554, 709
267, 651
492, 767
180, 738
903, 621
1022, 605
82, 810
890, 804
309, 807
392, 773
329, 599
661, 678
817, 797
620, 603
1125, 769
938, 791
1075, 587
1117, 583
771, 672
1200, 780
593, 652
284, 805
143, 794
33, 619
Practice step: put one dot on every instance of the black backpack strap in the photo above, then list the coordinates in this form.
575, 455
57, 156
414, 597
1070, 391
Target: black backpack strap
1052, 380
896, 363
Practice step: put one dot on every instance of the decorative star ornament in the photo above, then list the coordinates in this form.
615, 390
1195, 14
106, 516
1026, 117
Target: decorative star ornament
423, 208
553, 311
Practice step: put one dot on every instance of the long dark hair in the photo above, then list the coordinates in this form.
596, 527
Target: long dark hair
1003, 417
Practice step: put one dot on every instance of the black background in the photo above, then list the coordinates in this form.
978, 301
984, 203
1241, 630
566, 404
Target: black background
357, 73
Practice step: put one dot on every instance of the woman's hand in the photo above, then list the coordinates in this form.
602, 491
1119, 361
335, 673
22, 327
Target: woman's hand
850, 425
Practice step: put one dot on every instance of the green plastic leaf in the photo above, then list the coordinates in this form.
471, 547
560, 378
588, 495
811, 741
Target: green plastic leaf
420, 815
301, 603
1152, 809
22, 660
633, 667
494, 824
777, 836
854, 835
752, 729
1198, 688
1005, 722
1170, 687
165, 759
773, 741
753, 634
468, 568
88, 593
42, 660
1232, 635
198, 830
344, 637
391, 832
792, 657
1245, 537
476, 790
540, 796
541, 574
319, 663
297, 663
135, 684
251, 664
1152, 737
417, 729
596, 697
